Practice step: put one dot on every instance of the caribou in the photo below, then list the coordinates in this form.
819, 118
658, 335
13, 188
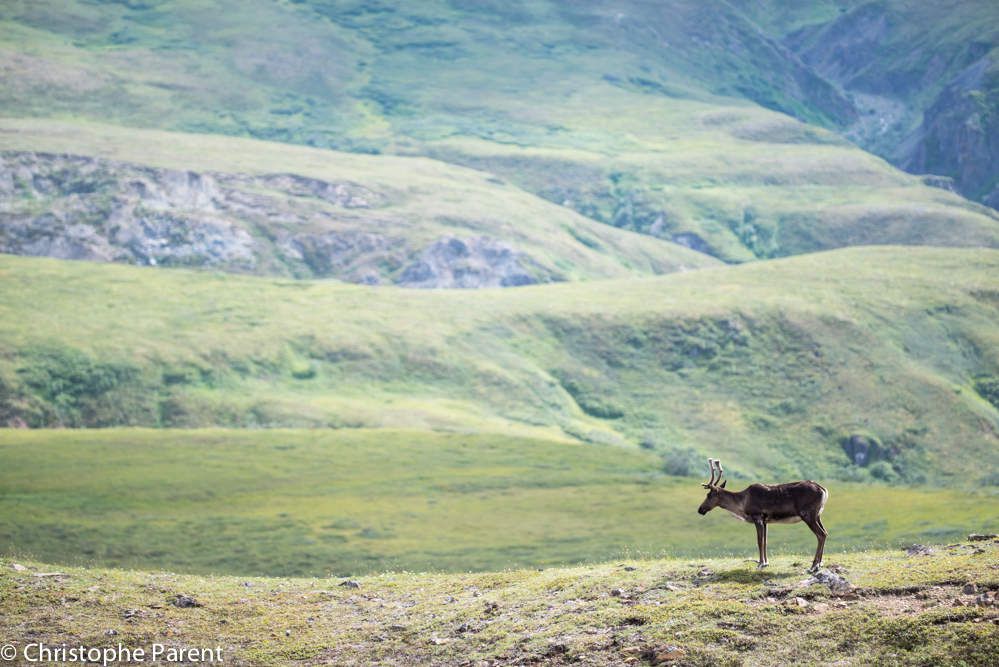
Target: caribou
763, 504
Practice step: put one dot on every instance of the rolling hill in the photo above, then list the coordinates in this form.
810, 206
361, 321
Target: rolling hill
788, 365
755, 230
667, 119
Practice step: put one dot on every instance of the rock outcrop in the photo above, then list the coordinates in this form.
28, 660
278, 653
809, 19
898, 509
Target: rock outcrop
959, 135
85, 208
925, 100
475, 262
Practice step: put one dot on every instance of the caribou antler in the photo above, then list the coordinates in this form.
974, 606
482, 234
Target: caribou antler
720, 471
711, 482
716, 469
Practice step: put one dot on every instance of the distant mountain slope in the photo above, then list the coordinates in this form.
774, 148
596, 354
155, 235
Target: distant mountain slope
924, 79
640, 115
865, 362
265, 208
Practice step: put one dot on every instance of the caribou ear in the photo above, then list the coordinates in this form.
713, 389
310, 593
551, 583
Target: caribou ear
724, 483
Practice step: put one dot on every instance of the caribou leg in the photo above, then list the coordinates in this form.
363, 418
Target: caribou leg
766, 560
815, 523
761, 541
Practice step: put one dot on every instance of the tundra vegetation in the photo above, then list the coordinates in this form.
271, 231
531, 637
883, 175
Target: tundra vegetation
472, 289
898, 609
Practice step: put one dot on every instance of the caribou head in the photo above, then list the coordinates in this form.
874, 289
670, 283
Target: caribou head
714, 487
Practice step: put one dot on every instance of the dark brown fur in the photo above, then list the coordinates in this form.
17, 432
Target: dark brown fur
762, 504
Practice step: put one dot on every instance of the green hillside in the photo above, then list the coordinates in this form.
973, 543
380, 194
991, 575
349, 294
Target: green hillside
774, 366
641, 115
896, 609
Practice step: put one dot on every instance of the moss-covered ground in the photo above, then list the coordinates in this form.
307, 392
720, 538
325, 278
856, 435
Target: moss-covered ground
897, 609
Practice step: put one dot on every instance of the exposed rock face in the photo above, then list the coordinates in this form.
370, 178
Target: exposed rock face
863, 450
929, 104
80, 208
475, 262
959, 135
73, 207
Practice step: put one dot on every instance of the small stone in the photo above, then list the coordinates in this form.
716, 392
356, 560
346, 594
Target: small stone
969, 589
978, 537
49, 574
837, 584
919, 550
349, 583
801, 602
666, 654
17, 567
983, 600
438, 641
629, 568
287, 633
184, 601
110, 633
616, 592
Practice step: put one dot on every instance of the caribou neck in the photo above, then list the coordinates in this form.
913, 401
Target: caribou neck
732, 501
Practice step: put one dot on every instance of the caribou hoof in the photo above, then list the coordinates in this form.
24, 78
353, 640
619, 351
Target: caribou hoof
760, 566
814, 568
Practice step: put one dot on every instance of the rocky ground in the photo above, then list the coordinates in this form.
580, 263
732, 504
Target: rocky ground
925, 605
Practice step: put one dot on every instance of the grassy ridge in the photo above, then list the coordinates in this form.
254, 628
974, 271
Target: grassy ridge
410, 202
308, 503
773, 364
903, 611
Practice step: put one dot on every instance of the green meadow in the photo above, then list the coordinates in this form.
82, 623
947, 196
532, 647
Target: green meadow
319, 502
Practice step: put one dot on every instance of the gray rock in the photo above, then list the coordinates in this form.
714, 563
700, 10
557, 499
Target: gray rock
978, 537
919, 550
184, 601
835, 582
469, 263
